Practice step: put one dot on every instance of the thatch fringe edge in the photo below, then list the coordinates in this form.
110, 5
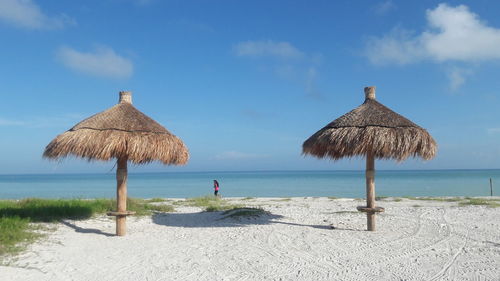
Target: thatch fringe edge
396, 143
139, 148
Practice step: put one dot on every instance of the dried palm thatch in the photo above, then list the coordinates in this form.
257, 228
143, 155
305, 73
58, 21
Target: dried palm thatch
120, 131
374, 131
371, 127
124, 133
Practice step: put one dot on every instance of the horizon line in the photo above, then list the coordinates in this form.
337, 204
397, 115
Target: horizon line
249, 171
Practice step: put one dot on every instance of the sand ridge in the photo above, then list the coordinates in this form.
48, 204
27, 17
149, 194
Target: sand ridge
415, 240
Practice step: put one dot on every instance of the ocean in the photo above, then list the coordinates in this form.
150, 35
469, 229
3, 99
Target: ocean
254, 184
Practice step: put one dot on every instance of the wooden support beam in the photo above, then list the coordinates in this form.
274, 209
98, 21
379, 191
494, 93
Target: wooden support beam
121, 196
370, 190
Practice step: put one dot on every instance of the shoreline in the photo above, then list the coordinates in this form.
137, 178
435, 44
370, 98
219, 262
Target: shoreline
293, 240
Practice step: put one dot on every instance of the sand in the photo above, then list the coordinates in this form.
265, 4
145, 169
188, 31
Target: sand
415, 240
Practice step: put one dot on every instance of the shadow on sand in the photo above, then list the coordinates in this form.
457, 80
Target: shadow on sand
217, 219
210, 219
85, 230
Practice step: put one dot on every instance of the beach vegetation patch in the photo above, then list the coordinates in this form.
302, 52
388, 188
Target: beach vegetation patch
15, 233
155, 200
142, 207
244, 213
51, 210
211, 203
283, 199
248, 198
480, 202
18, 217
439, 199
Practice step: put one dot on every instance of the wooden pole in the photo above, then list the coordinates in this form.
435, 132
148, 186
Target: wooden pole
121, 196
491, 187
370, 190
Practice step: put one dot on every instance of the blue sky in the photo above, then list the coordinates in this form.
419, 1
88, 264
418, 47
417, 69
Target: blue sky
244, 83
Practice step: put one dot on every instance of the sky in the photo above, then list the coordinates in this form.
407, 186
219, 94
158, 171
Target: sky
245, 83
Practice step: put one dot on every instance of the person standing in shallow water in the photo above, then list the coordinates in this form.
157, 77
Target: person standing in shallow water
216, 188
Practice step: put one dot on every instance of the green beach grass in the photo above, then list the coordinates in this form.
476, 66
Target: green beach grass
17, 217
244, 212
462, 201
211, 203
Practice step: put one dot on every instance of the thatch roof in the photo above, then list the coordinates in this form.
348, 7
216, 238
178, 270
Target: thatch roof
371, 126
120, 131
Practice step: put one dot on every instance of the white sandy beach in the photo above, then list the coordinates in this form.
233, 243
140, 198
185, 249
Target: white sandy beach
415, 240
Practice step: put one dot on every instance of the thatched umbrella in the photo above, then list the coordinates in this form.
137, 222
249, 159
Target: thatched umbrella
374, 131
124, 133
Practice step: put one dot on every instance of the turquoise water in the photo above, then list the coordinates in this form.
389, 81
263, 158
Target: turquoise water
254, 184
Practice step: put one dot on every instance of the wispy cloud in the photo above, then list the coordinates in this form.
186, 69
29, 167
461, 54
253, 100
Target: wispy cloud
103, 62
457, 76
253, 114
236, 155
494, 131
453, 34
384, 7
191, 25
311, 89
9, 122
27, 14
142, 2
43, 121
267, 48
287, 61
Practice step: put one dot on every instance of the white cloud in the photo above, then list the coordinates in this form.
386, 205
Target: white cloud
453, 34
494, 130
267, 48
26, 14
460, 35
102, 62
236, 155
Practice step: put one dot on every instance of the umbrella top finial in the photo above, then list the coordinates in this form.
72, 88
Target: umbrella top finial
370, 93
125, 97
